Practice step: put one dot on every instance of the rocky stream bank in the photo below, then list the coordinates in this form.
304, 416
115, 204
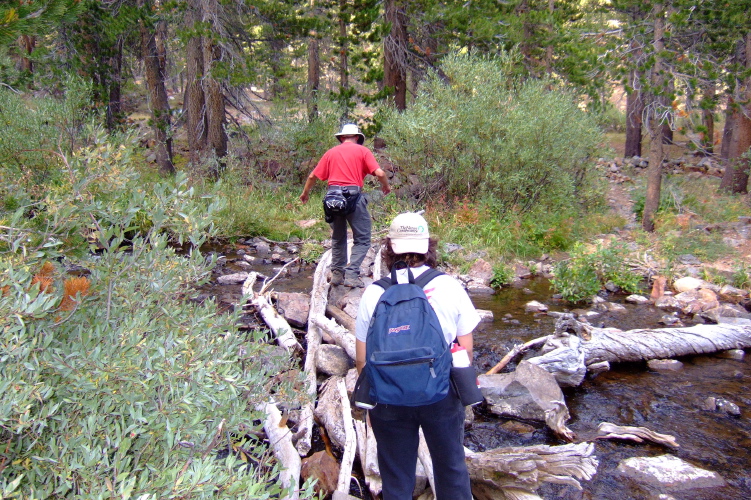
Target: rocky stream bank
537, 400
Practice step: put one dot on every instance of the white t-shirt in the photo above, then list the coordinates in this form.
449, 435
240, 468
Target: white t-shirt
450, 301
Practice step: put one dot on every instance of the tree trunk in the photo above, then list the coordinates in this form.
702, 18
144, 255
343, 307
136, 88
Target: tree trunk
727, 132
215, 110
343, 45
195, 100
549, 48
114, 106
27, 44
735, 178
634, 111
667, 129
158, 101
275, 61
395, 51
707, 118
314, 77
654, 172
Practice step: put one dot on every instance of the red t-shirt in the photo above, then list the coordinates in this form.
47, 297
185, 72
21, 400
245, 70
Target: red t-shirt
346, 165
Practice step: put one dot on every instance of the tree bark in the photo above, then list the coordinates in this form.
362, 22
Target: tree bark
707, 118
654, 172
394, 53
667, 130
314, 77
727, 131
158, 101
27, 44
275, 61
343, 45
634, 112
735, 178
195, 100
215, 109
114, 105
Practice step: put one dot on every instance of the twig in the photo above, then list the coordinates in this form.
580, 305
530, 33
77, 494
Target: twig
266, 284
518, 349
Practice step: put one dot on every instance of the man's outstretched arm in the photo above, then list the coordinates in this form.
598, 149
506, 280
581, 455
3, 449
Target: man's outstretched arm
383, 179
309, 182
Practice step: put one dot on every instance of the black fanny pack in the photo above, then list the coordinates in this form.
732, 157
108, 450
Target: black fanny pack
340, 201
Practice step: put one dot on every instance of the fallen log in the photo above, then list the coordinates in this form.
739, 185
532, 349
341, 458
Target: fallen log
275, 321
342, 336
368, 453
350, 446
606, 430
341, 317
318, 299
616, 346
423, 454
280, 441
520, 471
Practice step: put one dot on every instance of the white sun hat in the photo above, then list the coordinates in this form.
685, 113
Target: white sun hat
409, 234
350, 129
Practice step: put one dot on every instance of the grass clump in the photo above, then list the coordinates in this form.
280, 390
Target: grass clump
587, 270
503, 274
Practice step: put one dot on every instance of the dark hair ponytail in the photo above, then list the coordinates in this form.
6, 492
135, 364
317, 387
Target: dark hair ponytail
412, 259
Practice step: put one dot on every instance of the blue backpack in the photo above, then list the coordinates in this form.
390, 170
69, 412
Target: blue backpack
408, 361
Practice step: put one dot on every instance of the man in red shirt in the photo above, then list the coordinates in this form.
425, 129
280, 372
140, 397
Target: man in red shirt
344, 167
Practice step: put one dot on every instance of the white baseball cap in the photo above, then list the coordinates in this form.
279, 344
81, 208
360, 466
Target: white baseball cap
350, 129
409, 234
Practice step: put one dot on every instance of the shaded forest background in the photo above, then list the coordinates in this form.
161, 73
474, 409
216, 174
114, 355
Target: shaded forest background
239, 67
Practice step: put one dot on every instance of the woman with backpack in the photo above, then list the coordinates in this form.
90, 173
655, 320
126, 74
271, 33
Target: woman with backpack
396, 426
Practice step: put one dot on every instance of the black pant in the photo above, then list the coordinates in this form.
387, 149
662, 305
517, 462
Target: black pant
396, 431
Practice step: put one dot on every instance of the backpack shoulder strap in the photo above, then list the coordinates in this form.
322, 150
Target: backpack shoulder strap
427, 277
420, 281
384, 283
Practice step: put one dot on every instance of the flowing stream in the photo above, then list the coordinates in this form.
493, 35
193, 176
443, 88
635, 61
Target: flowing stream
629, 394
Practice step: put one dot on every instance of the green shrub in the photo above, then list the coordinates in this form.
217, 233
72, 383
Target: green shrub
36, 131
503, 274
742, 276
115, 383
611, 119
585, 272
484, 133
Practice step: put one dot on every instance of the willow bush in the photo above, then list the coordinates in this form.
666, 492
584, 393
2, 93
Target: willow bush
113, 382
482, 133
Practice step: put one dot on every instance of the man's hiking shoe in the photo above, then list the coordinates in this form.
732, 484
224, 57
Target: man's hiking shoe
337, 277
353, 282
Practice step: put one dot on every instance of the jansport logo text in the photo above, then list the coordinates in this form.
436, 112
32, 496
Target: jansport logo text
399, 330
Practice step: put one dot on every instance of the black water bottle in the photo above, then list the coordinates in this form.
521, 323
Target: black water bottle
361, 394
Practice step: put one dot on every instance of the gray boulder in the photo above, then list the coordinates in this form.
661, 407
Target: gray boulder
669, 473
526, 393
333, 360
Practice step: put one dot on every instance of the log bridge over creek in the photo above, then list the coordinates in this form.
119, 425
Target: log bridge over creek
502, 473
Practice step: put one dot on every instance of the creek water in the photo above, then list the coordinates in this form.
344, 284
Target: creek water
629, 394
